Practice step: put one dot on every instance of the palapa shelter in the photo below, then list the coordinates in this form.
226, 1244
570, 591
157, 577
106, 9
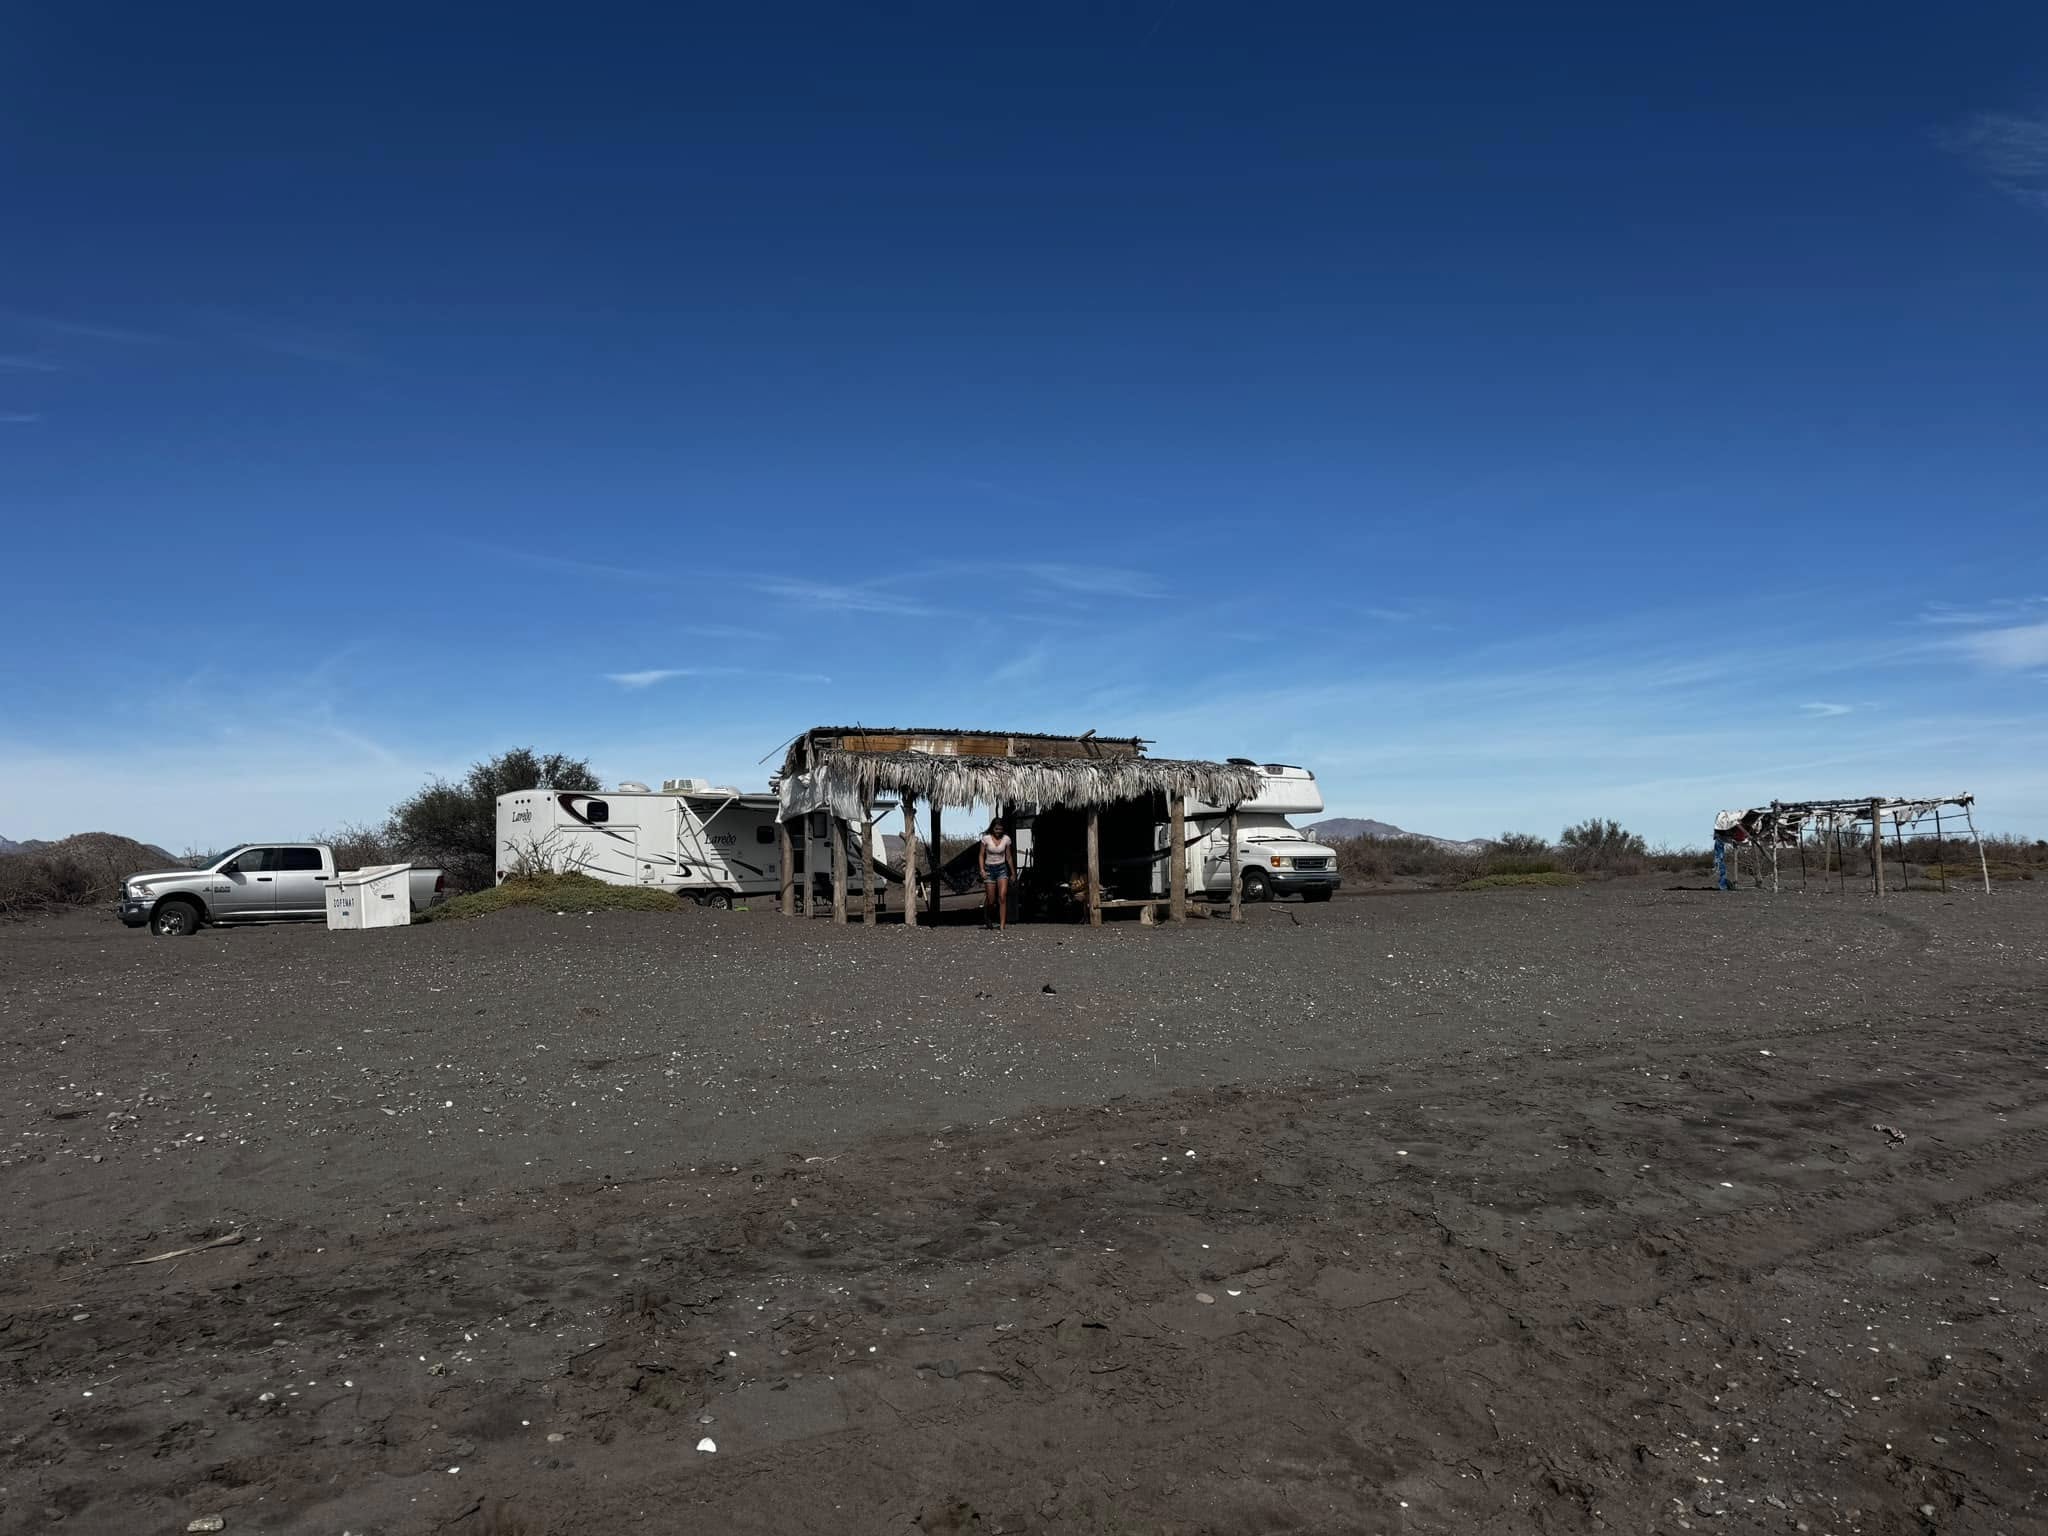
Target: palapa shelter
1831, 824
1078, 806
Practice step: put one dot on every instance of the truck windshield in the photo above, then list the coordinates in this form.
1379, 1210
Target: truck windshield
221, 858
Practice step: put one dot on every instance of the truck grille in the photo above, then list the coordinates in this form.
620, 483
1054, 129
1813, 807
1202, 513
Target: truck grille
1311, 863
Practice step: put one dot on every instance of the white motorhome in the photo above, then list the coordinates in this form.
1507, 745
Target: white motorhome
706, 841
1272, 857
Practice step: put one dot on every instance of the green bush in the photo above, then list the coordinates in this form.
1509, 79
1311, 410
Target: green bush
559, 893
454, 825
1380, 858
1603, 845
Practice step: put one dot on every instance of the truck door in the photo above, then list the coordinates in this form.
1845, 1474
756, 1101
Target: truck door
246, 887
300, 883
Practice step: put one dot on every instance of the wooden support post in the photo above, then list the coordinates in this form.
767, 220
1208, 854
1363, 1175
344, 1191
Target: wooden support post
1177, 872
1940, 858
938, 859
909, 859
810, 864
871, 877
1981, 864
1877, 847
1236, 878
786, 852
837, 829
1094, 873
1899, 846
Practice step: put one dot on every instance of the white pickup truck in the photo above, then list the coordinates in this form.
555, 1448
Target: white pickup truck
253, 883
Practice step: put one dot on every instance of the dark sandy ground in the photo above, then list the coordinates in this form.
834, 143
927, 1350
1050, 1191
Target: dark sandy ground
1623, 1209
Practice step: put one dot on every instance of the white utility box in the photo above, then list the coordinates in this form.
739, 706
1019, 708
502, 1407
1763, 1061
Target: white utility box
378, 896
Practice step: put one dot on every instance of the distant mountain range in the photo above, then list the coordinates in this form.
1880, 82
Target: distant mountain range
36, 844
1337, 828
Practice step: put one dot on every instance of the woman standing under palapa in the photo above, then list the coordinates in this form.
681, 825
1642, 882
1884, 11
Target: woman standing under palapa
995, 875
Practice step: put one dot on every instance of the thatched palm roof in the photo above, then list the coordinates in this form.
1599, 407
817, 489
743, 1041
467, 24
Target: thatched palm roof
1035, 781
847, 782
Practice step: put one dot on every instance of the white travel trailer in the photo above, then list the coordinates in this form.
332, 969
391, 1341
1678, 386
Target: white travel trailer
701, 840
1272, 857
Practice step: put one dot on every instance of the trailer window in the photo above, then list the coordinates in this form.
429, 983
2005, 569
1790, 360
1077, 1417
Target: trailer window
301, 859
764, 834
597, 810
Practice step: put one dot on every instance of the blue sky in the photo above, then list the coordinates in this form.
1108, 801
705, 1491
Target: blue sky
1514, 415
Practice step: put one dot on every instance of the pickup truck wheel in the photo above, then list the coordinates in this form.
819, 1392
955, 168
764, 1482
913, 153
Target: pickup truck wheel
1256, 886
175, 920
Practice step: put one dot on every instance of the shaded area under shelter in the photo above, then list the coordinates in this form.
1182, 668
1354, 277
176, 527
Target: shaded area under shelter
1099, 826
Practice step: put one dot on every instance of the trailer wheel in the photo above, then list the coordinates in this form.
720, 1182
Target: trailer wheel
175, 919
722, 900
1256, 886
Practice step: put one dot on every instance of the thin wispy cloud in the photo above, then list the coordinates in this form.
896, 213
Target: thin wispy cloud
15, 362
653, 675
1826, 711
1023, 667
2009, 149
567, 565
2012, 649
81, 330
2000, 610
1092, 580
20, 418
844, 599
2005, 634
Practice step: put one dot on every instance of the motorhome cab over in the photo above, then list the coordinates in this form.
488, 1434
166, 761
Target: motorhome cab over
1273, 858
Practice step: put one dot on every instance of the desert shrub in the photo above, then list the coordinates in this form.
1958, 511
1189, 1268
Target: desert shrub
1602, 845
1679, 861
1519, 853
454, 824
1381, 858
357, 845
1550, 877
39, 882
552, 852
80, 871
555, 893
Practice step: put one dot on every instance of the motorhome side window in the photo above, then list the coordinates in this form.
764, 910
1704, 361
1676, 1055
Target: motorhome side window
301, 858
597, 810
764, 834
